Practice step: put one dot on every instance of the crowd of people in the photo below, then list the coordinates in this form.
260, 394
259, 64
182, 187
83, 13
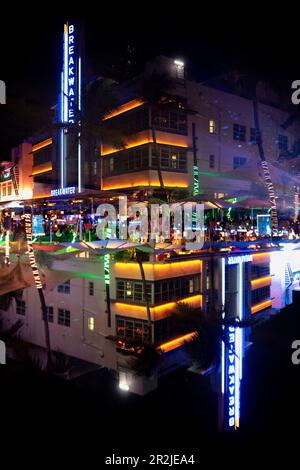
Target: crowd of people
55, 227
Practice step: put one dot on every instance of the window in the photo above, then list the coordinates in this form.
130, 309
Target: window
91, 288
211, 161
176, 288
132, 328
259, 270
64, 317
283, 142
21, 307
239, 132
9, 188
64, 288
179, 70
238, 162
91, 323
126, 161
254, 134
212, 126
50, 313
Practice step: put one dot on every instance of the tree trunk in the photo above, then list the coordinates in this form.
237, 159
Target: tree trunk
265, 167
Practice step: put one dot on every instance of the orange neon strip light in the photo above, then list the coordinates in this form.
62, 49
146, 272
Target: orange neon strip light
41, 169
164, 308
177, 342
124, 108
261, 306
41, 145
261, 282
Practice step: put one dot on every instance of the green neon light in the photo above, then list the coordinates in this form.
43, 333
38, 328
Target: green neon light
196, 180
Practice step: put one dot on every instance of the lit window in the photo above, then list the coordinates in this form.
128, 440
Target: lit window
212, 126
50, 313
91, 323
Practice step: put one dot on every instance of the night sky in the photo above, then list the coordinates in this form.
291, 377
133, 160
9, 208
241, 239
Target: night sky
210, 46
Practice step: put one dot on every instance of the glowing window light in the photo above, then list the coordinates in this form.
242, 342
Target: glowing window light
179, 63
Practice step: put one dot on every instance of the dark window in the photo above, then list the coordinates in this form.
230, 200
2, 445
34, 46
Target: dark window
211, 161
164, 291
21, 307
91, 288
239, 132
64, 317
171, 158
238, 162
283, 142
64, 288
162, 330
43, 156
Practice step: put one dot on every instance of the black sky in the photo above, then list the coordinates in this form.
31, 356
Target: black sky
209, 42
